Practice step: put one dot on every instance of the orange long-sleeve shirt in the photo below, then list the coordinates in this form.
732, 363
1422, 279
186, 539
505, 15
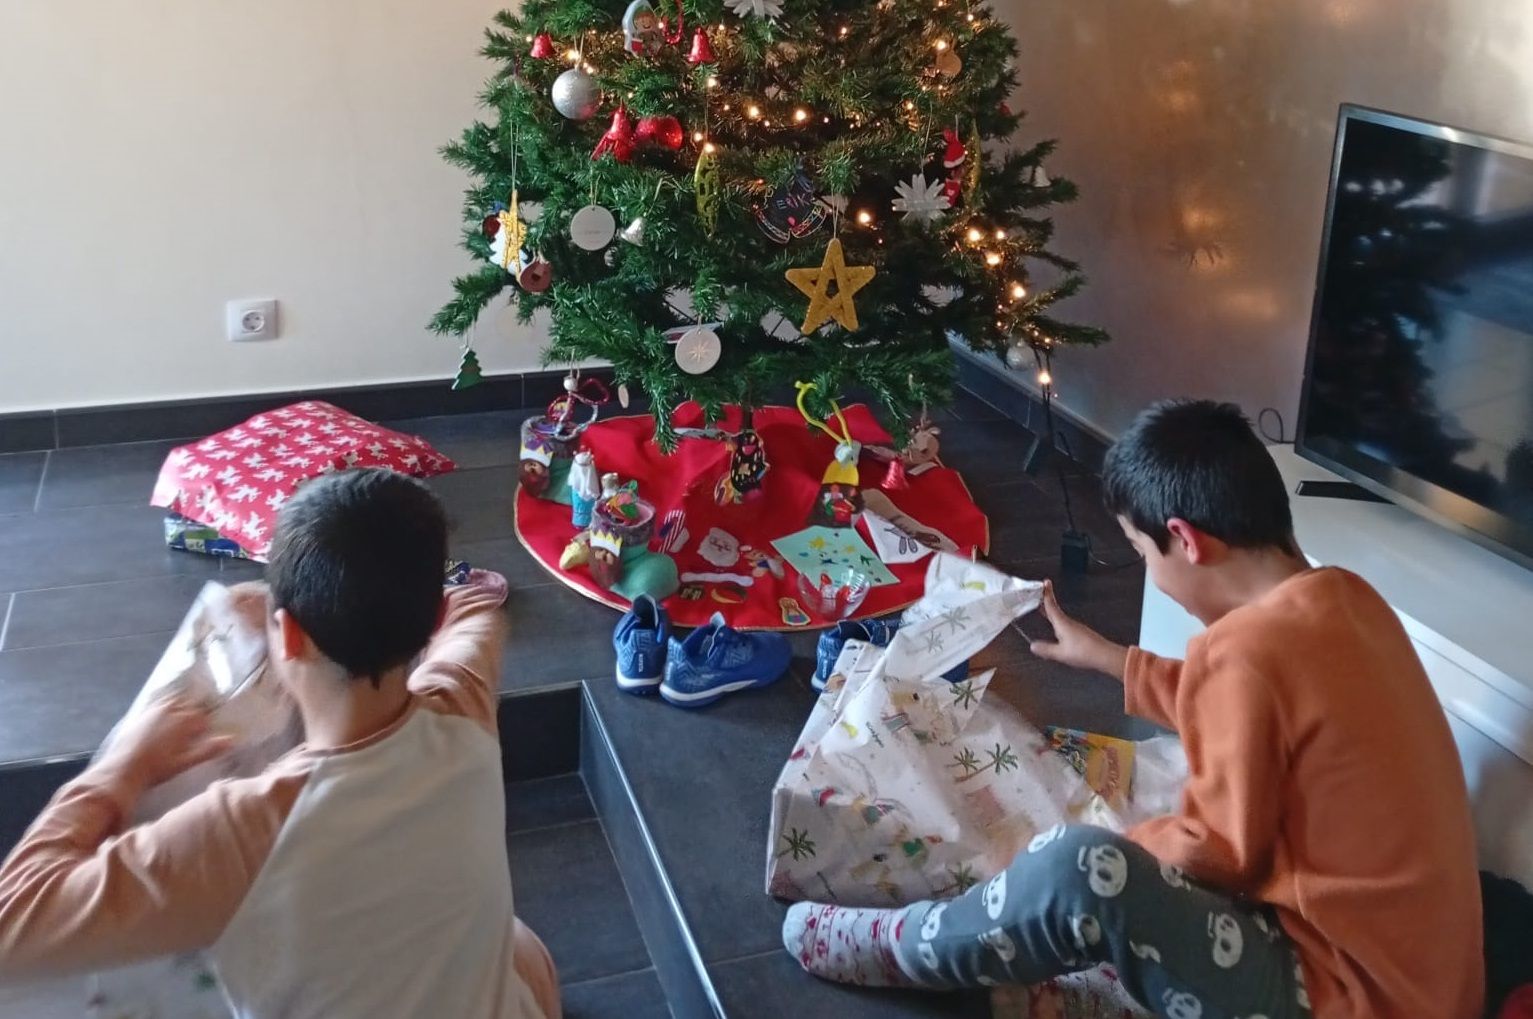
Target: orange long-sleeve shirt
1324, 781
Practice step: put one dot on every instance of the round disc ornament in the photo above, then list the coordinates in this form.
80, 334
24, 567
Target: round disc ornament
698, 350
576, 94
592, 228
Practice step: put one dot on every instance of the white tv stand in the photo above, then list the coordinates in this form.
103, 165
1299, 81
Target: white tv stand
1470, 614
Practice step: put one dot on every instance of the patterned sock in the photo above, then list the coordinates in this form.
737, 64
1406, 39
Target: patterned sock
847, 945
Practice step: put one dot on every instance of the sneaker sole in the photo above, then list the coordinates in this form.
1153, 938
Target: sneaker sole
632, 685
703, 698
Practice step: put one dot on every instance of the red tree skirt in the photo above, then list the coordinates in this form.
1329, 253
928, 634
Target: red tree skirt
686, 479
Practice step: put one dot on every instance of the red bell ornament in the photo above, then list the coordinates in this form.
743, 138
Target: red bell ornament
543, 47
619, 138
702, 49
664, 131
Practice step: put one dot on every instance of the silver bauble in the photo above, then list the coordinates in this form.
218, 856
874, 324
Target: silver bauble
1018, 356
576, 94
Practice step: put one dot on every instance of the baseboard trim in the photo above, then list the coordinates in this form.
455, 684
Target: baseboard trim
191, 419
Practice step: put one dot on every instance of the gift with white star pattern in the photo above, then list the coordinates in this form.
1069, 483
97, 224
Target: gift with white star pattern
904, 786
235, 481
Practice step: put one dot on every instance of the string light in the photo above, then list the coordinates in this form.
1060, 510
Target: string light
970, 19
864, 217
573, 56
992, 258
714, 83
844, 31
697, 136
974, 235
709, 148
941, 43
1018, 291
1000, 235
529, 38
827, 120
752, 111
800, 115
1044, 378
909, 105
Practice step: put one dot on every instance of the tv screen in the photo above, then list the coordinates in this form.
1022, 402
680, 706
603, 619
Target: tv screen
1419, 382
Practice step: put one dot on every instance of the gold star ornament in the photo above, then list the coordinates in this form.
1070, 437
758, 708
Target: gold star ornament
816, 284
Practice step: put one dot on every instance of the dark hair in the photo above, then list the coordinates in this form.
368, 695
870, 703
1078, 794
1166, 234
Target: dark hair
358, 561
1199, 461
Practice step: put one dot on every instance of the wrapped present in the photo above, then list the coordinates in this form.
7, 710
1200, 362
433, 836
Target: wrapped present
237, 480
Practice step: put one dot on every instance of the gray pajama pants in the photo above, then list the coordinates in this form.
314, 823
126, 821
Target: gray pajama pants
1080, 896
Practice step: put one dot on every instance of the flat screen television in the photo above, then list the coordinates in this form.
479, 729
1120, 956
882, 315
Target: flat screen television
1418, 383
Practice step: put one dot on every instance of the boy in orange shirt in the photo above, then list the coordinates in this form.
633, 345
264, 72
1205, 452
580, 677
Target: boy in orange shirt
1322, 861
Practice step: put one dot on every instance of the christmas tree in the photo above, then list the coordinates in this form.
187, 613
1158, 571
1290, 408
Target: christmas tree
800, 190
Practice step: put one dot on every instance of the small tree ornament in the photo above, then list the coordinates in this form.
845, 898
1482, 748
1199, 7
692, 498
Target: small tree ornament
747, 468
469, 372
793, 211
708, 190
840, 497
543, 47
643, 33
921, 200
576, 95
702, 50
663, 130
619, 138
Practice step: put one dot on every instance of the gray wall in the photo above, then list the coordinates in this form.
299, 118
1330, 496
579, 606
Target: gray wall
1200, 133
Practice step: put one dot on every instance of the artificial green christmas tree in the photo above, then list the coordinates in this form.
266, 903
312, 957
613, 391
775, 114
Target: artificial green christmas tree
779, 165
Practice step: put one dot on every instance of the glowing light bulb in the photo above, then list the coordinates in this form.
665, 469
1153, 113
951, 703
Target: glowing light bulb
573, 56
529, 38
992, 258
974, 235
970, 19
941, 45
909, 105
766, 123
1044, 378
708, 147
713, 83
864, 217
588, 68
827, 120
844, 31
1000, 235
800, 115
726, 107
697, 136
1018, 291
753, 111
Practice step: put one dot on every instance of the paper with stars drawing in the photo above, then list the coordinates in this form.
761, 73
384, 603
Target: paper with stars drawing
832, 550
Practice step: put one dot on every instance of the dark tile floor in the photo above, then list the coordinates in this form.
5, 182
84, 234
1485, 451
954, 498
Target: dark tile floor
88, 597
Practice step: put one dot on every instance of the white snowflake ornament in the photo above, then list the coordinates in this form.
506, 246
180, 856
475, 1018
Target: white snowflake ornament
920, 199
769, 9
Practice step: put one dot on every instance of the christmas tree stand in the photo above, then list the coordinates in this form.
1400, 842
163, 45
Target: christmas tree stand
708, 553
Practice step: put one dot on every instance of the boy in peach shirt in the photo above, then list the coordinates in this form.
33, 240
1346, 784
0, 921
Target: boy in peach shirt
364, 873
1322, 861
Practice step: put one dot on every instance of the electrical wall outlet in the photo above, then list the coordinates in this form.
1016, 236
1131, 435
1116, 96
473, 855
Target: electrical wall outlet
251, 320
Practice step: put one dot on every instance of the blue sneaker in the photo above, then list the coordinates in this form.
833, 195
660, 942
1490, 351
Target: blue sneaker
715, 660
878, 632
640, 641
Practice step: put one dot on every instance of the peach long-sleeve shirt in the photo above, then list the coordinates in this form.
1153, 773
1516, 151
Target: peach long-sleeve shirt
367, 880
1324, 781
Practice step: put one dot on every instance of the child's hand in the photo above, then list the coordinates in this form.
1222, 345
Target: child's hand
165, 739
1077, 644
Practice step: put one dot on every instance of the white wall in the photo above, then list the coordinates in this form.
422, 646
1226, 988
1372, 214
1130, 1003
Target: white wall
160, 157
1200, 133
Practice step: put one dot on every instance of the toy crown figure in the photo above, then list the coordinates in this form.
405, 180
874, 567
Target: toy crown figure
604, 540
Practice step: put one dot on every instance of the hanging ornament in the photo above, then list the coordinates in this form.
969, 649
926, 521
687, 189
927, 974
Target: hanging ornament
619, 138
921, 200
576, 94
971, 170
769, 9
643, 33
592, 228
469, 372
816, 285
633, 233
543, 47
510, 234
947, 63
953, 157
492, 222
698, 350
664, 131
623, 398
705, 185
1040, 178
793, 211
1017, 356
702, 49
536, 275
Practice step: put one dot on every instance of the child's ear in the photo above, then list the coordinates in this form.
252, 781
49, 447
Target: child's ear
291, 638
1198, 548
